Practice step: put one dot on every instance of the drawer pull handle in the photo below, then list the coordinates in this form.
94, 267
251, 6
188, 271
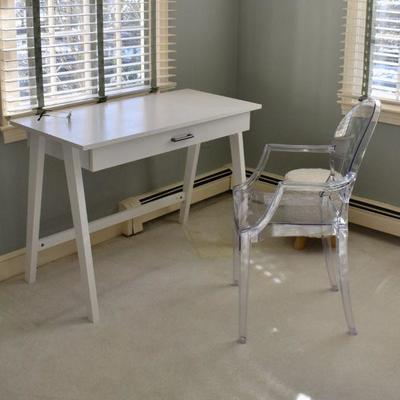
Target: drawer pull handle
176, 139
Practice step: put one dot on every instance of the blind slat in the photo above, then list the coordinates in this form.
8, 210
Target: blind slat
70, 58
384, 58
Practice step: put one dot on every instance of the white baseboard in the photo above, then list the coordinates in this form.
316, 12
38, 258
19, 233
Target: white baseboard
12, 264
375, 215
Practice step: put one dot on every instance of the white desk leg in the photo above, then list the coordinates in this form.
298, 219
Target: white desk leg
237, 153
188, 181
238, 177
35, 187
81, 225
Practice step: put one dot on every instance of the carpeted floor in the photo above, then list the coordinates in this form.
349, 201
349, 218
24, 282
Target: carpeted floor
168, 325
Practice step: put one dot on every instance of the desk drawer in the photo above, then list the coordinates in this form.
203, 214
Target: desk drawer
136, 149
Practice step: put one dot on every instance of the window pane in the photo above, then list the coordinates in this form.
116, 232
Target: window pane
69, 50
17, 62
385, 51
126, 44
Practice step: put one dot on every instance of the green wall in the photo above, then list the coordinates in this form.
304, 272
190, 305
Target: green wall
206, 60
289, 60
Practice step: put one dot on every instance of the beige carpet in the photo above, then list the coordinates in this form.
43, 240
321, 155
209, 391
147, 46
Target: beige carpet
169, 321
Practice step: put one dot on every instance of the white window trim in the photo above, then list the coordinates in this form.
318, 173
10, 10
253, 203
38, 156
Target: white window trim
12, 134
351, 84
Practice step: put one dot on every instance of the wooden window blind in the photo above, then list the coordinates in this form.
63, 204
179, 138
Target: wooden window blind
59, 52
371, 55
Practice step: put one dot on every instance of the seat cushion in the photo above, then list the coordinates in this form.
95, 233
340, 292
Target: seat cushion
309, 175
298, 213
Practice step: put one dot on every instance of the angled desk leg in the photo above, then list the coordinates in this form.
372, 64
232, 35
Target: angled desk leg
188, 181
239, 176
79, 215
238, 164
35, 187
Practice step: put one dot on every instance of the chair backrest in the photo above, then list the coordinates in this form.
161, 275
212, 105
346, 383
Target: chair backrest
353, 135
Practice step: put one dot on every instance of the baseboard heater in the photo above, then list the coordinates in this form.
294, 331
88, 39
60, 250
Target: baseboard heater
375, 215
216, 176
205, 186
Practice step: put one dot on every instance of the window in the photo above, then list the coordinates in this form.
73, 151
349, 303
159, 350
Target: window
372, 55
58, 52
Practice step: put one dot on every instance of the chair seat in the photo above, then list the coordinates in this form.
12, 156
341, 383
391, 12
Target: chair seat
298, 214
309, 175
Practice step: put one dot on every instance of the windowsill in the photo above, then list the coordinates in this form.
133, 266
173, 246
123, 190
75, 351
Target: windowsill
12, 134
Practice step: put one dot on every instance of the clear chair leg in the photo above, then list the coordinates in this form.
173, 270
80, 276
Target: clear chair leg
343, 269
236, 257
330, 262
245, 244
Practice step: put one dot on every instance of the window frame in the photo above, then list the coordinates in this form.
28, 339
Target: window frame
162, 48
354, 39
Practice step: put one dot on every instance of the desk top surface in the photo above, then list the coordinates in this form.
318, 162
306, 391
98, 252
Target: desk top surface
97, 125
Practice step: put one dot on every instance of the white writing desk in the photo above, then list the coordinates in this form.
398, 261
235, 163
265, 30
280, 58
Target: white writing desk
105, 135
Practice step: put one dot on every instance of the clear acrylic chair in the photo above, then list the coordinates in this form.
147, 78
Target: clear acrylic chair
305, 209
